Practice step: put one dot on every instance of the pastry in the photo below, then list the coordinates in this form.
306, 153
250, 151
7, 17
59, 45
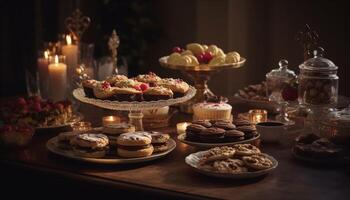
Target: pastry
177, 86
257, 161
116, 78
126, 94
128, 83
88, 86
233, 136
246, 149
103, 90
157, 93
232, 57
214, 111
211, 134
150, 78
159, 141
90, 145
195, 48
134, 145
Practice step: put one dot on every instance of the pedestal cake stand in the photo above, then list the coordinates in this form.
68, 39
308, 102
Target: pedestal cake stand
200, 74
134, 107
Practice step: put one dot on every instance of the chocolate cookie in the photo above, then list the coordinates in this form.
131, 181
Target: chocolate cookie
192, 132
248, 135
233, 136
225, 125
247, 129
212, 134
204, 123
242, 122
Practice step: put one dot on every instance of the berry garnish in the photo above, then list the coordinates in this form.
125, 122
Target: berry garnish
207, 56
21, 101
105, 85
290, 93
37, 107
177, 50
200, 58
137, 87
24, 109
36, 99
144, 86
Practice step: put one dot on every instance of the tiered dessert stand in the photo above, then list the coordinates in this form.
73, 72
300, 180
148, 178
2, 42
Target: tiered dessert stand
200, 74
134, 107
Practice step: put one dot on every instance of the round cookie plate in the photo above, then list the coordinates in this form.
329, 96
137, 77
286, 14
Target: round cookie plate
194, 158
75, 118
52, 146
182, 138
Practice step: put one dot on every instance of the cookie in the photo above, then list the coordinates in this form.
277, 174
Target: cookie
224, 125
241, 122
257, 161
218, 153
195, 128
205, 123
134, 139
233, 136
211, 134
246, 149
117, 129
159, 138
248, 135
229, 166
160, 147
246, 128
135, 151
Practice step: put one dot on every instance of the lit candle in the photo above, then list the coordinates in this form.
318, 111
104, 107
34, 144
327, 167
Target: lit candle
110, 120
43, 64
257, 115
181, 127
71, 52
57, 79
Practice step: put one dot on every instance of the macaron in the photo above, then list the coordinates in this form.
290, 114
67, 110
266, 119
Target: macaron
213, 134
134, 145
90, 145
233, 136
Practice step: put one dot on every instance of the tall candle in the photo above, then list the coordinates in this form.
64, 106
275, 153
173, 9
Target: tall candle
57, 80
71, 52
43, 63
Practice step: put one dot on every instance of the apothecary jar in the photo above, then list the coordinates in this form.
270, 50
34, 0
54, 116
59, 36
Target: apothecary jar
318, 81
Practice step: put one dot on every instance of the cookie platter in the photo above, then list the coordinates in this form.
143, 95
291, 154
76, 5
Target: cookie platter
52, 146
182, 138
232, 168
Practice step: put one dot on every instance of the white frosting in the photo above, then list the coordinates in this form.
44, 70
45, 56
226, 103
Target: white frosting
213, 106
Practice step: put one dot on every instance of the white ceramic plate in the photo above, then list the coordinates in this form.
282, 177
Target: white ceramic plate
75, 118
109, 159
193, 159
182, 138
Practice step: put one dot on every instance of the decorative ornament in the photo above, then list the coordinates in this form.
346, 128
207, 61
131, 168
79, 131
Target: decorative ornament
77, 24
309, 39
113, 44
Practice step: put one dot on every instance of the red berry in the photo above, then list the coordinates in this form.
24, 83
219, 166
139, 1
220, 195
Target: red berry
7, 128
144, 86
36, 99
177, 50
200, 58
37, 107
137, 87
105, 85
24, 109
21, 101
289, 93
207, 56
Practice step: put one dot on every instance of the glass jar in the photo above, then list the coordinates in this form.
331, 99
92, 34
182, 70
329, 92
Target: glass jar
318, 81
336, 126
277, 79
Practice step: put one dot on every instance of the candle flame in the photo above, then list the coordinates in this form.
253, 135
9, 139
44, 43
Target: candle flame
46, 54
56, 59
68, 39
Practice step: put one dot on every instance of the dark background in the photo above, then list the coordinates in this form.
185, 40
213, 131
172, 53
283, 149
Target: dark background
263, 31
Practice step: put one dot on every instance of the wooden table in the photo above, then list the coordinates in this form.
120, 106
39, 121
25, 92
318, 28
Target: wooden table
169, 177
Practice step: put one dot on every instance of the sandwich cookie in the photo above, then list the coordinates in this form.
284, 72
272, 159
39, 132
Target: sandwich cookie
212, 134
90, 145
114, 130
134, 145
233, 136
159, 141
193, 130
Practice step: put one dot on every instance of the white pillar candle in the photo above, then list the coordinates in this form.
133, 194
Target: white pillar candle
57, 80
181, 127
43, 64
71, 52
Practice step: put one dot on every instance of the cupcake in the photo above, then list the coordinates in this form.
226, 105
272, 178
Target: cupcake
212, 111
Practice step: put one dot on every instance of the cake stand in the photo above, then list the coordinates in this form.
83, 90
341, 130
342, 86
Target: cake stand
134, 107
200, 74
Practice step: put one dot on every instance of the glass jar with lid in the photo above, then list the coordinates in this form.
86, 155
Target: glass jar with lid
277, 79
336, 126
318, 81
